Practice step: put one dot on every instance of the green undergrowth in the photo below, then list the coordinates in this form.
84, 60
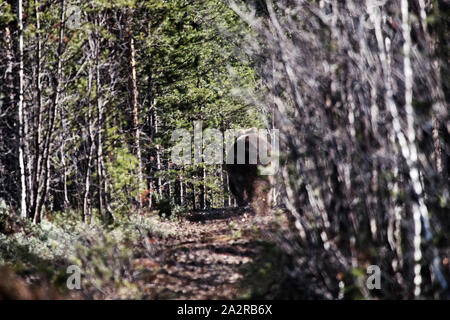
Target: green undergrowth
104, 254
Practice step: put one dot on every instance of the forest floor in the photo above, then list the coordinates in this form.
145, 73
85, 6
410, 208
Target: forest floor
210, 254
206, 256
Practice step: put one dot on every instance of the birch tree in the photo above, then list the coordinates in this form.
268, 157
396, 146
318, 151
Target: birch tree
20, 110
350, 83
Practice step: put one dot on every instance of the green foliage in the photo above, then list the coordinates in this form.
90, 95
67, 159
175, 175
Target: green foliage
266, 278
8, 222
122, 174
166, 207
104, 256
6, 14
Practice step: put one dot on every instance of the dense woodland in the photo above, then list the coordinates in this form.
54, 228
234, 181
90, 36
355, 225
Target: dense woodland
91, 92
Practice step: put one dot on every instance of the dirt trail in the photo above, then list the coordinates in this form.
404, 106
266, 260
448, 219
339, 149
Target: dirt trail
205, 258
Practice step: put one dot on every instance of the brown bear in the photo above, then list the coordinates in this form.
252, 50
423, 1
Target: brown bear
246, 181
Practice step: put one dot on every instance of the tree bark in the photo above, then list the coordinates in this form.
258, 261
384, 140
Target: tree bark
38, 118
100, 166
226, 190
181, 190
134, 104
44, 172
20, 110
86, 213
203, 188
157, 149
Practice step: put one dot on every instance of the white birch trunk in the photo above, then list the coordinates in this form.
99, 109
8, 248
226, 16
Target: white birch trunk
20, 110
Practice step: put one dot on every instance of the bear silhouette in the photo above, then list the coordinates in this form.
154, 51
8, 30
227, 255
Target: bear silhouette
244, 166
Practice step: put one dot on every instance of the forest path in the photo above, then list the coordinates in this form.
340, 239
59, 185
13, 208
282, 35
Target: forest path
204, 259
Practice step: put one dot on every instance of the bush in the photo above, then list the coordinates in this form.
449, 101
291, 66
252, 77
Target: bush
43, 252
123, 180
167, 208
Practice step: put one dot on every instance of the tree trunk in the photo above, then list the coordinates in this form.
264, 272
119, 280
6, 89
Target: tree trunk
150, 126
10, 103
157, 149
38, 118
100, 166
134, 103
86, 213
44, 172
181, 190
20, 110
194, 202
226, 190
203, 188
